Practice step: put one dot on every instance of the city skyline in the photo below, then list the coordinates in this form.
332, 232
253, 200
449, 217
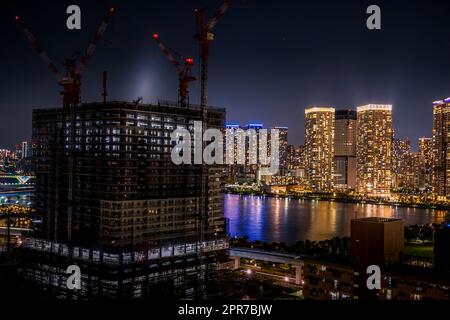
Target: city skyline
409, 74
415, 144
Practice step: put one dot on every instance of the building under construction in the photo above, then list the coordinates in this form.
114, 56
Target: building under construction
110, 197
113, 202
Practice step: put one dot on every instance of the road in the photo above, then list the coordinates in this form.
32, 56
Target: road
288, 279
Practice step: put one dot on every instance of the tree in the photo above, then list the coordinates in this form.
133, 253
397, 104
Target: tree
346, 245
333, 245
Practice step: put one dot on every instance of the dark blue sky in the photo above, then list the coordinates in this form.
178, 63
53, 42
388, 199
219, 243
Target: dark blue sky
270, 59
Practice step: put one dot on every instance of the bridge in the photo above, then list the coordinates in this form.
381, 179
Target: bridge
15, 231
16, 189
295, 260
17, 195
10, 180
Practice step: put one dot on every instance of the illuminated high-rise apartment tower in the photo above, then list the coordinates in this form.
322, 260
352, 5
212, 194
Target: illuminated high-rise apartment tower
26, 150
319, 147
345, 149
441, 155
400, 162
283, 151
243, 161
373, 149
425, 163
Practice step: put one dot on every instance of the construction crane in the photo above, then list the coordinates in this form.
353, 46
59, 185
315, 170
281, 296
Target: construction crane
71, 80
71, 83
204, 36
184, 72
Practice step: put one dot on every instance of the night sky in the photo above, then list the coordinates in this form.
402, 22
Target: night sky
270, 59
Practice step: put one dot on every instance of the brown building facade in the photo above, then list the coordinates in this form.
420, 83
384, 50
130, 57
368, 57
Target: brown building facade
376, 241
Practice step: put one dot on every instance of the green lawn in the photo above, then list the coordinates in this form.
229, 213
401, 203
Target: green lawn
420, 251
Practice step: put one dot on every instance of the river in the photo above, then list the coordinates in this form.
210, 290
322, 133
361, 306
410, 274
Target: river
290, 220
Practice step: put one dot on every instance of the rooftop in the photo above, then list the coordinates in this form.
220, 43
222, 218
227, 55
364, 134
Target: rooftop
319, 109
160, 106
380, 107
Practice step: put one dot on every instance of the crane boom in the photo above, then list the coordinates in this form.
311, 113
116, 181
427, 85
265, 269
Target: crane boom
184, 73
204, 36
98, 35
36, 46
219, 13
71, 80
167, 52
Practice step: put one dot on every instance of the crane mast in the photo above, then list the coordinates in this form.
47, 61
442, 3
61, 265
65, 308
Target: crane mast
204, 37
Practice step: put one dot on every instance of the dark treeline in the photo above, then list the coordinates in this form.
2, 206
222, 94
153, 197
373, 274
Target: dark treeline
423, 233
336, 246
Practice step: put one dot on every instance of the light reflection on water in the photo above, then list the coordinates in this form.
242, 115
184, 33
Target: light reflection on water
290, 220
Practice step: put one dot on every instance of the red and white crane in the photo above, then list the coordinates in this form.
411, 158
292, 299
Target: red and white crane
71, 80
184, 72
71, 83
